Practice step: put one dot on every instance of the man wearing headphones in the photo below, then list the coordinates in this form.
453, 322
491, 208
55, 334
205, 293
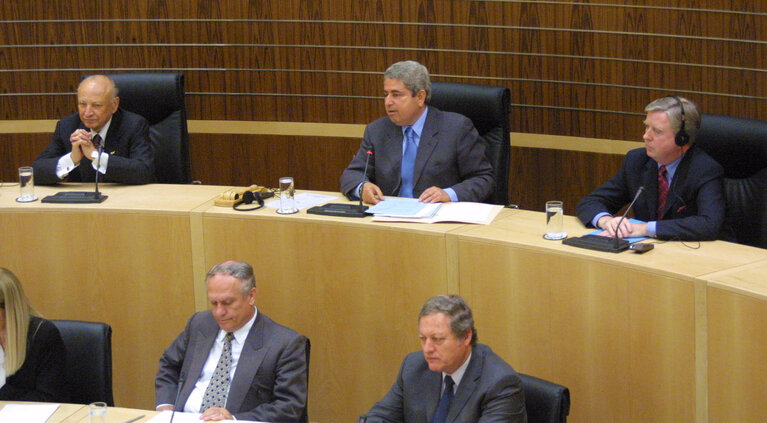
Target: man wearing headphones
683, 195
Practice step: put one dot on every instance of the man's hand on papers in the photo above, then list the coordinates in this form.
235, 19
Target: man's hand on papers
371, 194
434, 195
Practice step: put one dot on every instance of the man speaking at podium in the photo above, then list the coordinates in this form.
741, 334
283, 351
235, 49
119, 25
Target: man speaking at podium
683, 195
418, 151
73, 153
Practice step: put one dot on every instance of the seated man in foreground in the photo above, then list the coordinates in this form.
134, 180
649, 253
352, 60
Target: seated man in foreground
454, 379
418, 151
683, 196
232, 360
73, 154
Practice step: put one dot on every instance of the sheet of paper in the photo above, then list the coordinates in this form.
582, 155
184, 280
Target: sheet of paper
27, 413
631, 240
304, 200
404, 207
461, 212
164, 417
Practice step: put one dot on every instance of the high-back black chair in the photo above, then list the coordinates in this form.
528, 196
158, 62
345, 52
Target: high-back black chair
546, 402
159, 98
740, 146
89, 360
488, 107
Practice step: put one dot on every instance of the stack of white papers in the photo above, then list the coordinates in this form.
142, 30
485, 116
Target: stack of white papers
461, 212
404, 207
27, 413
164, 417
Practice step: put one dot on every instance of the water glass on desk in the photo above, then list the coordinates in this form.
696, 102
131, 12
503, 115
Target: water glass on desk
26, 185
287, 196
555, 220
97, 412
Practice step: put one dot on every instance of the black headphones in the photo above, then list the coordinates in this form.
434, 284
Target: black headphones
681, 138
248, 197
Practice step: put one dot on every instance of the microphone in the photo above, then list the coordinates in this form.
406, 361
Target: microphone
81, 197
364, 177
617, 228
602, 243
178, 394
97, 194
345, 210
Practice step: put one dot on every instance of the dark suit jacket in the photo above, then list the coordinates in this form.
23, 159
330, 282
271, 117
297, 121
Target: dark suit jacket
490, 391
42, 376
451, 154
127, 142
270, 383
695, 205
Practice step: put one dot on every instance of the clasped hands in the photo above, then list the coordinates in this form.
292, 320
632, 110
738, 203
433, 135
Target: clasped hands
372, 194
627, 229
82, 146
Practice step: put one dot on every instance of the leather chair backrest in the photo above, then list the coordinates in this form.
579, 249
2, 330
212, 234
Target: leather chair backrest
89, 360
488, 107
159, 98
740, 146
546, 402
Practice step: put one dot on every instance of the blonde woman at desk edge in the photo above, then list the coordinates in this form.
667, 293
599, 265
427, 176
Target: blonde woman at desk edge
32, 353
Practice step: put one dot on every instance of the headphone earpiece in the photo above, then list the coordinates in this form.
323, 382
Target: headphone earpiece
248, 197
681, 138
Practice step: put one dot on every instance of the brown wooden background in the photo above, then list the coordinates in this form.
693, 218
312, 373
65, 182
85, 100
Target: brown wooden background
574, 68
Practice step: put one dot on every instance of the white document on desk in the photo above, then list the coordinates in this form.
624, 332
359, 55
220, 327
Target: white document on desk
304, 200
460, 212
164, 417
27, 413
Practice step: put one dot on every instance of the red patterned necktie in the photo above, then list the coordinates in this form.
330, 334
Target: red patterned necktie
662, 191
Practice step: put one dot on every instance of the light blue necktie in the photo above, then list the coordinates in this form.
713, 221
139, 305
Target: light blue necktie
408, 164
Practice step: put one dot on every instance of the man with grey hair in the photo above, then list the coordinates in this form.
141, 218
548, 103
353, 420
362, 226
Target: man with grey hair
454, 378
232, 360
418, 151
683, 195
127, 154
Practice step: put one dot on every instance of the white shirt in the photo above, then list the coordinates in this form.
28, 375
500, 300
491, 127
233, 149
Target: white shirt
194, 402
65, 165
2, 367
457, 375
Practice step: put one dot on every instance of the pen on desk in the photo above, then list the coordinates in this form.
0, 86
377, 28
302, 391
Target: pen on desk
135, 419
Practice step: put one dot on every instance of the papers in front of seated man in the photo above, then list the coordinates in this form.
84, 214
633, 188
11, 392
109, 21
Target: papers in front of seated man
179, 417
460, 212
28, 413
404, 207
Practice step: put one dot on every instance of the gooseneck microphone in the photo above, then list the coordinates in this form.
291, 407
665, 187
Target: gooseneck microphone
604, 243
617, 228
365, 177
178, 394
97, 194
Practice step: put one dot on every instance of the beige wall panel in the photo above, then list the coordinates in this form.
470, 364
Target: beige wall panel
622, 340
737, 319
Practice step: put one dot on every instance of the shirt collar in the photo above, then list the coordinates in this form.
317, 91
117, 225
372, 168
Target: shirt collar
103, 132
671, 168
241, 333
418, 125
458, 374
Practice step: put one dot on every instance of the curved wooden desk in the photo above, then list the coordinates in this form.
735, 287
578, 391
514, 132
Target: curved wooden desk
671, 335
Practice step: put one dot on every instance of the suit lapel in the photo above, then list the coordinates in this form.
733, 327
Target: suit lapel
467, 387
207, 333
429, 392
253, 353
111, 142
649, 200
426, 144
673, 202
